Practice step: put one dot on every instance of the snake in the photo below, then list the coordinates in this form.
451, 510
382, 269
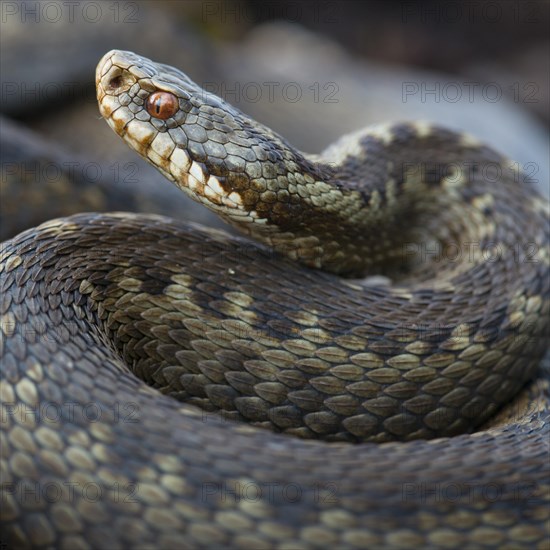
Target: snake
359, 368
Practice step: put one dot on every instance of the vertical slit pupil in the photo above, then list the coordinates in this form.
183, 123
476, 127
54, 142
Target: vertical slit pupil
162, 105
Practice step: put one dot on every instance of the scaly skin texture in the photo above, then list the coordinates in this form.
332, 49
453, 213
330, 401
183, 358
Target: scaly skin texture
110, 321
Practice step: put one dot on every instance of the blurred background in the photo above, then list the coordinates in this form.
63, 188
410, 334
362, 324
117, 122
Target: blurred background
312, 70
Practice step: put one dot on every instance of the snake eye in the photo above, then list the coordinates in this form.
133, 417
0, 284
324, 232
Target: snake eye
162, 105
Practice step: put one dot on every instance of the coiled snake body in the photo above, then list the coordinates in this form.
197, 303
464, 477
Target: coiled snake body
110, 321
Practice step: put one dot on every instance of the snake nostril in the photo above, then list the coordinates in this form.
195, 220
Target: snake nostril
115, 82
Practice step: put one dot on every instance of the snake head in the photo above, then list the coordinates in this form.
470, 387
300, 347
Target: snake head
212, 151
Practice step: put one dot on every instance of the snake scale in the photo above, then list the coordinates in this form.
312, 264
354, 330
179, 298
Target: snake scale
397, 298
